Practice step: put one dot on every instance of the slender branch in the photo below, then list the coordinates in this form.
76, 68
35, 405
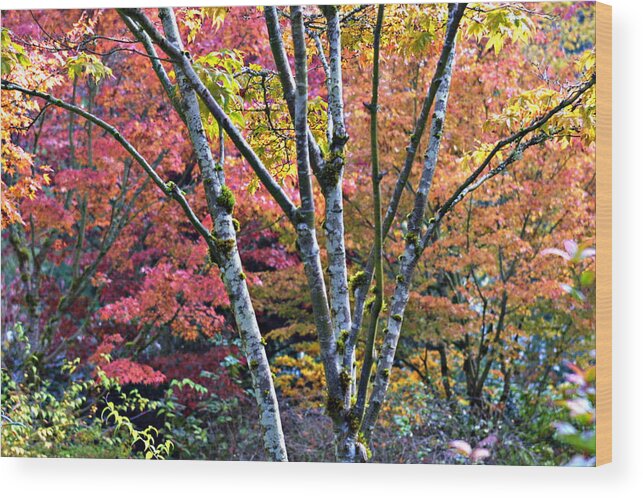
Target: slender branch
280, 57
168, 189
183, 59
376, 307
287, 81
305, 226
335, 97
455, 14
432, 152
515, 137
326, 67
158, 68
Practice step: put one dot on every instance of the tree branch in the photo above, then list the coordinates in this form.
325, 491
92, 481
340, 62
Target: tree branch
158, 68
287, 82
456, 12
183, 59
305, 225
169, 189
376, 307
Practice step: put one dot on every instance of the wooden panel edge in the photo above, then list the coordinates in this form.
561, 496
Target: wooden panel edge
603, 233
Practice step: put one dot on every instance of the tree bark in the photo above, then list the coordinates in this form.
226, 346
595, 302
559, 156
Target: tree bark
227, 258
413, 248
376, 307
305, 221
456, 12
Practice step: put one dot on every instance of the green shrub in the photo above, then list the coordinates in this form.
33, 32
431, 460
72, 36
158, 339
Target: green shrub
74, 417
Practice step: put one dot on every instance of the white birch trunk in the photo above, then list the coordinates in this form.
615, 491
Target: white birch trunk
228, 260
305, 219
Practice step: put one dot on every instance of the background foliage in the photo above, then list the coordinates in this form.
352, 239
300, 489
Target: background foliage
118, 340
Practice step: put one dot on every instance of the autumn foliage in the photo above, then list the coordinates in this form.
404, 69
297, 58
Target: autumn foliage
100, 264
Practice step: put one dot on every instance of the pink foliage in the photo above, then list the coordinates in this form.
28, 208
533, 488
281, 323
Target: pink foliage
130, 372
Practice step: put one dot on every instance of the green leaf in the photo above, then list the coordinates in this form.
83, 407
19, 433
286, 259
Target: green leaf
587, 278
89, 65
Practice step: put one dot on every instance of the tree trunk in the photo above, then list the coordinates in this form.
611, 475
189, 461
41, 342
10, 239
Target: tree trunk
220, 204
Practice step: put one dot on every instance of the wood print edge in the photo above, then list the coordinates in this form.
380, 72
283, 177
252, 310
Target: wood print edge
603, 233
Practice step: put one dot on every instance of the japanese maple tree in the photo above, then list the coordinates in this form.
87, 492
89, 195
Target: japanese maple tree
409, 163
